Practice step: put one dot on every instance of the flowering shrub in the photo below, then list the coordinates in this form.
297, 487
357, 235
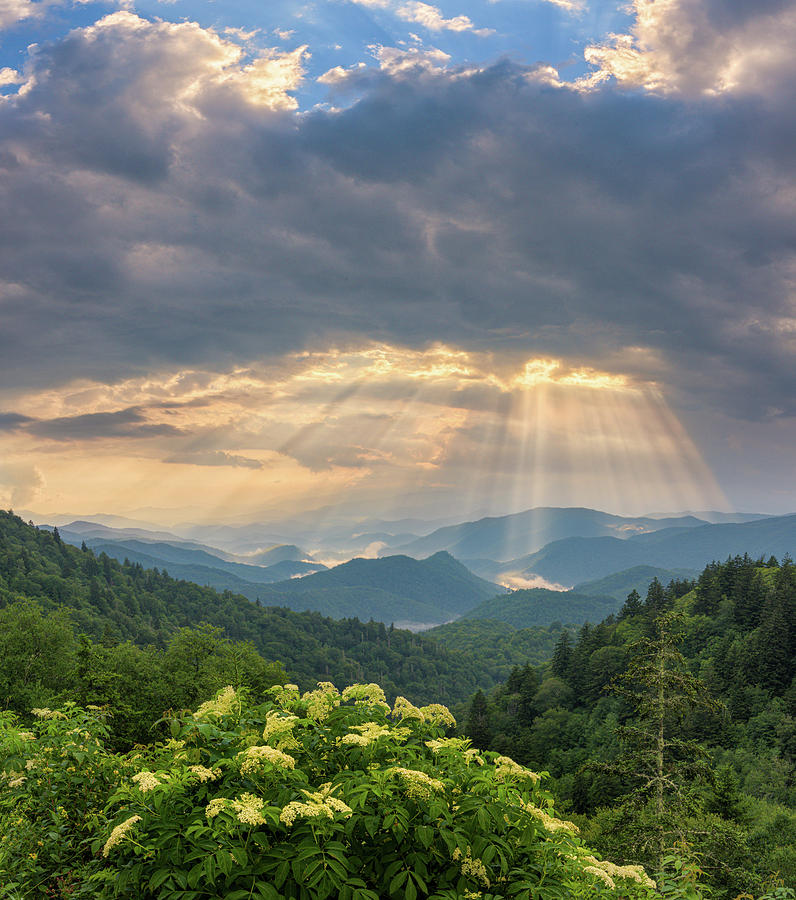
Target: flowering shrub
55, 779
331, 795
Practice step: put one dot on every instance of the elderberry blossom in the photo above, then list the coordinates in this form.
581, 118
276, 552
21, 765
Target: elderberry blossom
366, 734
417, 785
221, 705
438, 714
403, 709
549, 822
251, 760
505, 767
249, 809
318, 805
471, 867
205, 774
281, 727
321, 701
146, 781
119, 833
366, 695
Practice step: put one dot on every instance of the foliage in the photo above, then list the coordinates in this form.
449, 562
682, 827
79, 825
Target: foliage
113, 603
313, 796
739, 640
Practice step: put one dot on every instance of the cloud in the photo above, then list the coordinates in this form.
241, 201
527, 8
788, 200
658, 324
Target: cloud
126, 423
427, 15
431, 17
570, 6
13, 11
11, 421
214, 458
165, 207
20, 483
703, 47
394, 60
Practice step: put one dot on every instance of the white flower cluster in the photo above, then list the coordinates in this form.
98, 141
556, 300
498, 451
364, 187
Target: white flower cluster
205, 774
45, 713
549, 822
319, 804
249, 809
437, 714
418, 785
280, 726
440, 745
366, 695
471, 868
285, 695
225, 702
146, 781
505, 767
365, 734
119, 833
403, 709
251, 760
215, 806
608, 871
601, 874
321, 701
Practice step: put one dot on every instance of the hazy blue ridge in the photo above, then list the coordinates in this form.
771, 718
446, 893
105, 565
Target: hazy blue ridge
507, 537
575, 560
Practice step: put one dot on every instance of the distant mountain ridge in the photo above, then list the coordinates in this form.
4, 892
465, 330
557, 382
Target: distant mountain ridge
574, 560
508, 537
192, 561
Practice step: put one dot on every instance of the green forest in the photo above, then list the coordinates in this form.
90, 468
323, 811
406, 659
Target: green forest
165, 740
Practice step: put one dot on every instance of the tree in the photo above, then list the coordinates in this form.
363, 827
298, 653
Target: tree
658, 765
632, 605
478, 729
562, 656
656, 601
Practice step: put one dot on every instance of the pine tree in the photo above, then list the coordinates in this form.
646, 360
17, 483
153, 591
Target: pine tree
657, 764
562, 656
478, 729
632, 605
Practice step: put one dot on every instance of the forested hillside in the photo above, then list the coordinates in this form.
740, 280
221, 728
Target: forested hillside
113, 603
577, 718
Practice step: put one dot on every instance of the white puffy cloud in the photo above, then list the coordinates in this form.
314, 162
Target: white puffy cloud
703, 47
13, 11
393, 60
431, 17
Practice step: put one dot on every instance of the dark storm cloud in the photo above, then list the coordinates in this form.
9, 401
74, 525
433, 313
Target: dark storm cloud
125, 423
150, 227
11, 421
214, 458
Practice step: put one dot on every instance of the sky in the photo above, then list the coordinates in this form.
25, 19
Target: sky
392, 258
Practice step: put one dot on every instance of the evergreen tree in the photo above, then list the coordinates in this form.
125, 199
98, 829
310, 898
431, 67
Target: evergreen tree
562, 655
632, 605
708, 591
654, 760
478, 729
656, 601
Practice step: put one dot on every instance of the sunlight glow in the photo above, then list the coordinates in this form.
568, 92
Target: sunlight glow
385, 429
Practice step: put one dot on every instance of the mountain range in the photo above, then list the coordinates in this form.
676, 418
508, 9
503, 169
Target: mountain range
600, 558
